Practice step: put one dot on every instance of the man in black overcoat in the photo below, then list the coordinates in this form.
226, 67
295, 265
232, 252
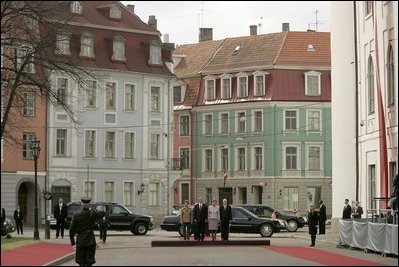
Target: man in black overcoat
322, 218
200, 218
313, 220
346, 213
60, 214
225, 219
82, 225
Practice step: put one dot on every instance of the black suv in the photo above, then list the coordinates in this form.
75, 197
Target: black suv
120, 217
293, 222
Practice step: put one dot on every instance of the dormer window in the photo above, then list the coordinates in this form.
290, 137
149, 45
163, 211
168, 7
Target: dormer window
259, 82
115, 12
76, 7
312, 83
155, 52
242, 84
86, 45
226, 86
209, 88
119, 48
63, 44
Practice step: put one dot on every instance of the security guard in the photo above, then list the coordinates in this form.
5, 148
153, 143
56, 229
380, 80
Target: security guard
82, 225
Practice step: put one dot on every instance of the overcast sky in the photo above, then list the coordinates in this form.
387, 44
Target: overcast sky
181, 19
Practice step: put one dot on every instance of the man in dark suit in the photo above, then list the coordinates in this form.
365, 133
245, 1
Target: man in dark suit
19, 220
82, 225
346, 214
103, 224
60, 214
357, 211
225, 218
200, 217
322, 218
313, 219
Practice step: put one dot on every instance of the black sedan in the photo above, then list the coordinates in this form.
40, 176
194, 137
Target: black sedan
293, 222
243, 222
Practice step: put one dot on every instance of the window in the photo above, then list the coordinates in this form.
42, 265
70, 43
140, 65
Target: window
290, 120
115, 12
184, 158
110, 144
258, 158
312, 83
109, 191
90, 143
128, 193
224, 121
224, 153
63, 44
314, 158
91, 94
153, 192
391, 77
226, 88
155, 54
208, 160
28, 104
370, 86
86, 45
313, 196
62, 91
208, 195
110, 96
184, 125
259, 85
290, 198
130, 97
119, 49
27, 138
313, 124
76, 7
258, 121
129, 145
177, 94
291, 158
241, 119
372, 186
241, 159
208, 124
61, 142
368, 8
155, 142
25, 59
89, 189
155, 98
210, 89
242, 89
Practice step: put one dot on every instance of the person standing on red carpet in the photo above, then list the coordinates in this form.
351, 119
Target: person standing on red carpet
313, 220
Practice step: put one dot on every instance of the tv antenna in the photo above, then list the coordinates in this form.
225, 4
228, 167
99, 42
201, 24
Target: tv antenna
260, 25
317, 22
201, 16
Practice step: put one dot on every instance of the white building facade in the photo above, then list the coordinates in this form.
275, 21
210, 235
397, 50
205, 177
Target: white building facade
363, 167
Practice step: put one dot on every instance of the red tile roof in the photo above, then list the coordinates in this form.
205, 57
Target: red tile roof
295, 52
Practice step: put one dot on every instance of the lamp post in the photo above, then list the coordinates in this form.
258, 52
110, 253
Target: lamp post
35, 147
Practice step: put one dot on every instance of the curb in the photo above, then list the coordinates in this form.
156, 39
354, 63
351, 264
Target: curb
61, 260
318, 240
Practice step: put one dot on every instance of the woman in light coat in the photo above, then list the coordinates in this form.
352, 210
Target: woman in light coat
213, 218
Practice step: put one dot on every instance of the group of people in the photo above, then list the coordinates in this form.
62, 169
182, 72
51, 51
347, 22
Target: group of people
354, 212
202, 215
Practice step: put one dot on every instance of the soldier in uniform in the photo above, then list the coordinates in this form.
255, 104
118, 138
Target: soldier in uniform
82, 225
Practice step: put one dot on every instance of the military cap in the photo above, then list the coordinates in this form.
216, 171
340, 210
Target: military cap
85, 200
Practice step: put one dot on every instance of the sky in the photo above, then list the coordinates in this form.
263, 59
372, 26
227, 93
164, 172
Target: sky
182, 19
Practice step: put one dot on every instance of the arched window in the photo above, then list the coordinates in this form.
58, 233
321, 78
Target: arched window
370, 86
76, 7
391, 77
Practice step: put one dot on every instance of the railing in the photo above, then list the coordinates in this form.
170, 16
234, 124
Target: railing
380, 215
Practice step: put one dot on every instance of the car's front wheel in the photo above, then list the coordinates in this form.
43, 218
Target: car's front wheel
266, 230
140, 228
292, 225
181, 230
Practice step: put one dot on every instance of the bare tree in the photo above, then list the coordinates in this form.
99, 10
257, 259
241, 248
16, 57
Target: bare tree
29, 56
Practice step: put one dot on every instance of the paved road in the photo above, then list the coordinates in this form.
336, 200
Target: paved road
123, 248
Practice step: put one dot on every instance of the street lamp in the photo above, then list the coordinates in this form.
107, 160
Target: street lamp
35, 147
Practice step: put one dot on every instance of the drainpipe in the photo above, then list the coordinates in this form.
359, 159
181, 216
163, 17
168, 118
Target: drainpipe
356, 101
168, 151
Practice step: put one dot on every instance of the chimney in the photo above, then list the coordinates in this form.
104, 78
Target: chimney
131, 8
152, 22
286, 27
166, 38
253, 29
205, 34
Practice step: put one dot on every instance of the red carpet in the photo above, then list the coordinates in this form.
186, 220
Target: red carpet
322, 257
35, 254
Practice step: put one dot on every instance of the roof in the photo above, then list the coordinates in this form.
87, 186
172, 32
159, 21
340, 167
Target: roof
295, 52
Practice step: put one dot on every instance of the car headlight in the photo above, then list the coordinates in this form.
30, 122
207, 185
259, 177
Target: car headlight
305, 219
152, 220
